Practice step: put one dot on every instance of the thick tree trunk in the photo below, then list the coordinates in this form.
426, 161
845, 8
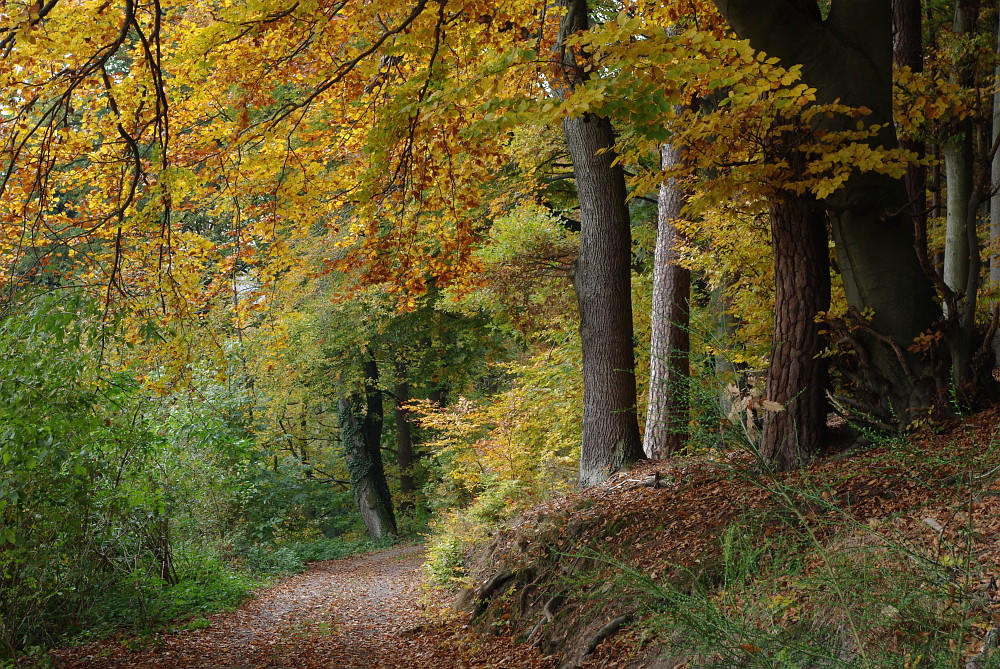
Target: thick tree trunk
404, 441
797, 375
603, 287
361, 437
849, 57
667, 409
602, 280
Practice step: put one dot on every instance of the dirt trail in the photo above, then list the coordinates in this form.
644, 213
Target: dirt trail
354, 613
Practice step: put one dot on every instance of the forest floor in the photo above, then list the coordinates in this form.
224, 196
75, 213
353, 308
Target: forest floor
364, 611
884, 556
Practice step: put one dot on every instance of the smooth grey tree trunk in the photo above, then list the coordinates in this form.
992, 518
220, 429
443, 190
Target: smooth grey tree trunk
958, 159
961, 248
361, 437
728, 374
957, 152
848, 57
667, 408
602, 277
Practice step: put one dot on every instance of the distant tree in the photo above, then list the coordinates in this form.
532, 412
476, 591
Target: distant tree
361, 437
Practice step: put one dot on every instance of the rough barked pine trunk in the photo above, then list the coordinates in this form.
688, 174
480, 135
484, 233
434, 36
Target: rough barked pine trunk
797, 375
602, 278
361, 437
667, 409
848, 56
404, 440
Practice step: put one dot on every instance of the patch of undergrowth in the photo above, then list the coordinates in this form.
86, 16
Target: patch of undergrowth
205, 584
293, 556
495, 457
837, 571
124, 509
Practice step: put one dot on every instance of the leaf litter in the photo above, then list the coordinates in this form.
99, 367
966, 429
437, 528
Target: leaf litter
359, 612
932, 494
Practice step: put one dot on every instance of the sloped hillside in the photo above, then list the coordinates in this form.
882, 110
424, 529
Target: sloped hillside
881, 557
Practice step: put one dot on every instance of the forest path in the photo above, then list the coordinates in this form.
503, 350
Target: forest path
355, 613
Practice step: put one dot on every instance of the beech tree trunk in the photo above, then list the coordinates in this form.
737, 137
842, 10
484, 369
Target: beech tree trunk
729, 376
667, 409
995, 205
961, 246
908, 51
404, 441
848, 57
797, 375
602, 278
361, 437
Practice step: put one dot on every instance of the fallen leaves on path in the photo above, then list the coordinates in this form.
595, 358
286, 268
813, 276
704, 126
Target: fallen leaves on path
359, 612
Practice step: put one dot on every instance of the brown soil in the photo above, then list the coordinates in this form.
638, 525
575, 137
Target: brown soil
364, 611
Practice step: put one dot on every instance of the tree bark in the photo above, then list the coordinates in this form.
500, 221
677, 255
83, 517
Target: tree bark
908, 51
849, 57
361, 437
995, 204
797, 375
961, 247
404, 441
957, 151
728, 374
602, 278
667, 409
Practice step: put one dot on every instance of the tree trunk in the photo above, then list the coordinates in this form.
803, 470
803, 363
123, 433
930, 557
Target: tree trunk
908, 51
667, 410
849, 57
602, 280
797, 375
958, 164
404, 441
995, 206
728, 374
361, 437
961, 246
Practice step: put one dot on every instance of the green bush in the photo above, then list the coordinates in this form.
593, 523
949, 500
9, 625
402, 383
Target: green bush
445, 561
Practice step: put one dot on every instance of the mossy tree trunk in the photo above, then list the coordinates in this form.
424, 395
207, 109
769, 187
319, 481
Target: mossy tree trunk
361, 420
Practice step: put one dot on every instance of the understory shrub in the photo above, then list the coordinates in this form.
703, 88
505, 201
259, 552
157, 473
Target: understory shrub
494, 457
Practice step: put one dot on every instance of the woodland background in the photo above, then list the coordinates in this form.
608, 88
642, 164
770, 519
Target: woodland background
284, 280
